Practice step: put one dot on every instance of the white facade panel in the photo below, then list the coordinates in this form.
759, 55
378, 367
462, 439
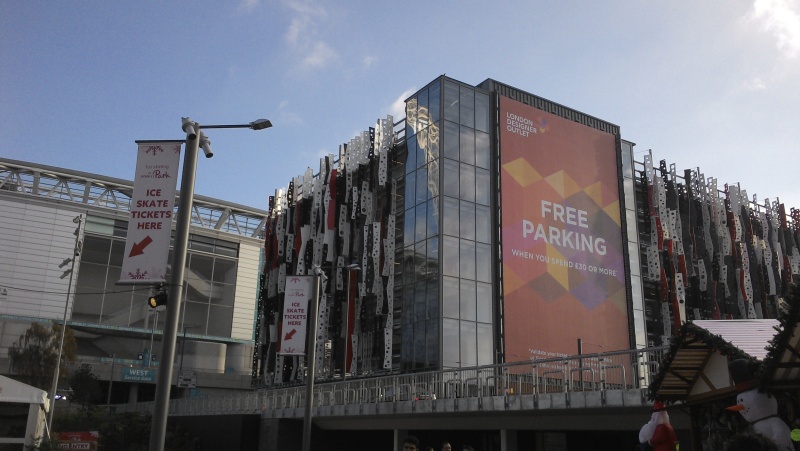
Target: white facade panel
244, 308
36, 239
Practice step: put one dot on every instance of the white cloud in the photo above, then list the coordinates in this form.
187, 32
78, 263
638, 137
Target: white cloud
303, 34
321, 54
756, 84
781, 18
288, 117
398, 107
369, 61
245, 6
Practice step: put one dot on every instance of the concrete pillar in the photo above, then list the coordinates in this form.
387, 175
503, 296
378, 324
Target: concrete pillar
508, 440
133, 394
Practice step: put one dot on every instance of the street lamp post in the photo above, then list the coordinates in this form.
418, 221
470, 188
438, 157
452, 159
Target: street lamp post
76, 251
195, 139
311, 348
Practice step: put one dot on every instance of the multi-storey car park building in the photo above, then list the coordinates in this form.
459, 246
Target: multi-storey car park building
489, 226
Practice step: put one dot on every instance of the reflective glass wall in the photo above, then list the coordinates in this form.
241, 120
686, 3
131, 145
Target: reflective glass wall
210, 283
447, 258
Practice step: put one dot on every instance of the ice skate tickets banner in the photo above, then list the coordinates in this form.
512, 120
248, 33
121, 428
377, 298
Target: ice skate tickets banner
152, 206
295, 314
563, 273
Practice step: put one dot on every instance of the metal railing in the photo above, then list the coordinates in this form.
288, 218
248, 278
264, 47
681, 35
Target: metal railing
620, 370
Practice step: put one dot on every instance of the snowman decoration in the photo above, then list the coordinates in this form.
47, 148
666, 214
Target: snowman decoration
758, 409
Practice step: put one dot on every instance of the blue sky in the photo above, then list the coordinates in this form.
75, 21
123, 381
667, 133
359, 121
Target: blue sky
709, 84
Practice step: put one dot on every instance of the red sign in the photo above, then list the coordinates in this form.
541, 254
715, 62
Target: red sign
563, 273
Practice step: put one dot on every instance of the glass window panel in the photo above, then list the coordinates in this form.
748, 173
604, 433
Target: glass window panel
433, 142
196, 315
451, 106
469, 345
483, 187
433, 297
420, 300
433, 217
408, 227
201, 266
432, 342
95, 250
451, 140
434, 93
485, 344
450, 343
224, 270
467, 182
87, 307
91, 277
482, 111
467, 259
467, 145
450, 256
467, 300
451, 181
484, 300
411, 160
450, 218
117, 252
422, 105
450, 290
407, 348
221, 321
222, 294
420, 256
422, 149
633, 252
419, 345
116, 308
433, 257
467, 111
408, 303
411, 115
482, 150
201, 243
483, 224
420, 227
483, 262
422, 185
410, 190
408, 265
627, 160
467, 220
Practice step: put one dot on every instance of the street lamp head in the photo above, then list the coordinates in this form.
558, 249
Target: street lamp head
188, 126
77, 219
260, 124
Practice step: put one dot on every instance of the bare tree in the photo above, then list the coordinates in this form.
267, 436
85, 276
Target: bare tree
34, 355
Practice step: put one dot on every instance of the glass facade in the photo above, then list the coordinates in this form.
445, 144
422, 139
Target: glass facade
447, 223
210, 283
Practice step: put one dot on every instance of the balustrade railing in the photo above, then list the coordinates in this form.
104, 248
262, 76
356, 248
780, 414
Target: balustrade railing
620, 370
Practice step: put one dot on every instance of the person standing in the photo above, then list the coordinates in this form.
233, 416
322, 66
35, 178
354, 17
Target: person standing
410, 443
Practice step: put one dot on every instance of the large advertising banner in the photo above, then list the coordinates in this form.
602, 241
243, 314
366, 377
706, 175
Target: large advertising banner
152, 204
563, 273
299, 290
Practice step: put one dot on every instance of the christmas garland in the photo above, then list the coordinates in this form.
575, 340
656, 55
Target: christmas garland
777, 346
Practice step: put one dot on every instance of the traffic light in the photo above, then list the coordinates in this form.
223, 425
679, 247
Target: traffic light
157, 299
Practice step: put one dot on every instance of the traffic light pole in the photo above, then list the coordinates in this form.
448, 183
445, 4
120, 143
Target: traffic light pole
158, 431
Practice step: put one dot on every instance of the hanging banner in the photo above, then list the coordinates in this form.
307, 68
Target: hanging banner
299, 290
152, 206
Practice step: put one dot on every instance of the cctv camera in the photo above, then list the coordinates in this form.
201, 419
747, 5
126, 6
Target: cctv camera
188, 126
205, 144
